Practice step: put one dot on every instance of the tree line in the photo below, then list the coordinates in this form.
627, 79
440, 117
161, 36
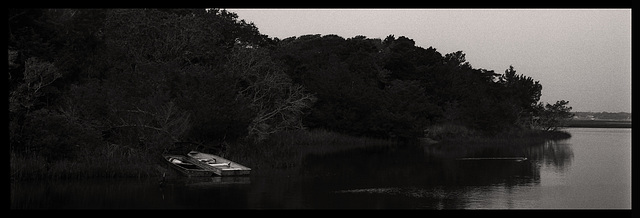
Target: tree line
154, 78
603, 115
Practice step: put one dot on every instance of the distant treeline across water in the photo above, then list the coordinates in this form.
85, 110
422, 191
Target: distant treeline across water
602, 116
599, 123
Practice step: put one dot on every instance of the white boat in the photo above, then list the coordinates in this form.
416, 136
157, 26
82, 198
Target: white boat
219, 165
187, 166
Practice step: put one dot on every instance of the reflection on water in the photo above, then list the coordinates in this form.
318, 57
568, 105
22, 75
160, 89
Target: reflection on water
574, 173
85, 194
432, 166
431, 178
553, 154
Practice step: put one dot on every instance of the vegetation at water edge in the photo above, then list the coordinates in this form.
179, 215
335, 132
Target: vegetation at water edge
101, 92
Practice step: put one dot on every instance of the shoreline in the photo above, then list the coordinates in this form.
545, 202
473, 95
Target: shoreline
280, 154
599, 123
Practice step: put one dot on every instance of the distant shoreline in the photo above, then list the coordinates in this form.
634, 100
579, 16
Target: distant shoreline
599, 123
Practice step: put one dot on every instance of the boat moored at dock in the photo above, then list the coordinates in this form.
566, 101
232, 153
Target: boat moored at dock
219, 165
187, 166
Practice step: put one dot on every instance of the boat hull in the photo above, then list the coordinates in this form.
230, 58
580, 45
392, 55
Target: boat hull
186, 166
219, 165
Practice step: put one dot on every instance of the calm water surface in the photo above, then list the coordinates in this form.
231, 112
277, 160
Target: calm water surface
592, 169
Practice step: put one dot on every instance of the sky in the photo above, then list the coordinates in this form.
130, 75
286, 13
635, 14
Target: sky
579, 55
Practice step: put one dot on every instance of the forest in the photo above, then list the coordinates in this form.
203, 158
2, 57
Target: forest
91, 81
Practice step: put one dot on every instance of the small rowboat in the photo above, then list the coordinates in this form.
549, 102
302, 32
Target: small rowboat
187, 166
220, 166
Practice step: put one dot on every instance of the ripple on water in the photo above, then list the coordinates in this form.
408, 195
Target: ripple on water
437, 193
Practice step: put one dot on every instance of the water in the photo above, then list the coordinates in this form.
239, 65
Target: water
590, 170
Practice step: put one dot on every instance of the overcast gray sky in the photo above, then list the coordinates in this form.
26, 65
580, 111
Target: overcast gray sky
579, 55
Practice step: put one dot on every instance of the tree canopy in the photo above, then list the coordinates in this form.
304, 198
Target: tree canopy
151, 78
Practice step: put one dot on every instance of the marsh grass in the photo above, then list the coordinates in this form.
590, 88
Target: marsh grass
99, 162
508, 143
448, 131
451, 133
281, 152
287, 150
